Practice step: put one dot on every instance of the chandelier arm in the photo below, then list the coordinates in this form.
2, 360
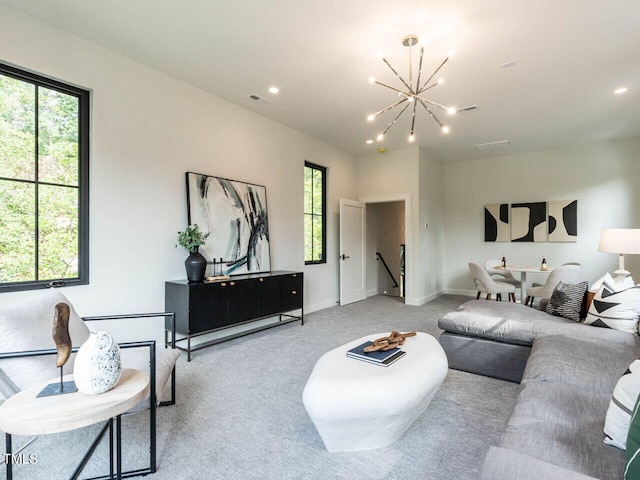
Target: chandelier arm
419, 69
435, 104
389, 107
393, 88
431, 113
394, 120
425, 88
398, 75
434, 73
413, 120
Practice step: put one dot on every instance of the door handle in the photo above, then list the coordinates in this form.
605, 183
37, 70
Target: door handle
344, 257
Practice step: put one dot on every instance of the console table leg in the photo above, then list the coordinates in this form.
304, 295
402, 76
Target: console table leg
111, 447
119, 447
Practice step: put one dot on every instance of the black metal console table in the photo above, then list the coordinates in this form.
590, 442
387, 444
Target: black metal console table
202, 308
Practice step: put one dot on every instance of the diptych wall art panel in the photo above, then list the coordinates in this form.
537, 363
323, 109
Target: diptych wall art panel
529, 222
563, 221
496, 222
235, 215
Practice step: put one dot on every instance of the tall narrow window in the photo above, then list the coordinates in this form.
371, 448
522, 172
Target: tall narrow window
44, 181
315, 199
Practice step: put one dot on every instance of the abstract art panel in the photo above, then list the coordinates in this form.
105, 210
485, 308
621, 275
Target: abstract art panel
563, 221
235, 215
496, 222
529, 222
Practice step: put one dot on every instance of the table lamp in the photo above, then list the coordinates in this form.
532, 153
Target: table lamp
620, 241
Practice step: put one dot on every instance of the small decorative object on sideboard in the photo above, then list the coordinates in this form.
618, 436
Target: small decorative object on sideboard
543, 267
97, 366
504, 262
195, 264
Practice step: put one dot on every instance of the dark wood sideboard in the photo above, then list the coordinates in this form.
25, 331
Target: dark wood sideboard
202, 308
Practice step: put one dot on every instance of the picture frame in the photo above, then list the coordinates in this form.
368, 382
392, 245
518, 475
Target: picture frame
235, 215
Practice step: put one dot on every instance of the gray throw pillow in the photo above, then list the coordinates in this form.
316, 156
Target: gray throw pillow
568, 301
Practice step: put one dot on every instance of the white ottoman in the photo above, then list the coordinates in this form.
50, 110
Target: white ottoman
358, 406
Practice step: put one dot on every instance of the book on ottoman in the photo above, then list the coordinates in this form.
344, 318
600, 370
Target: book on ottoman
379, 357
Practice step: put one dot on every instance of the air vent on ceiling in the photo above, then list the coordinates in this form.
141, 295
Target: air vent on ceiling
258, 99
493, 145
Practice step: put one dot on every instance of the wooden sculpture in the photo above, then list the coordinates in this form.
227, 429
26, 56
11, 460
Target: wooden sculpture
395, 339
61, 333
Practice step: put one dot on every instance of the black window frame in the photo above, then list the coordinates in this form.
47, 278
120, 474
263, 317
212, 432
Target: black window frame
323, 171
84, 102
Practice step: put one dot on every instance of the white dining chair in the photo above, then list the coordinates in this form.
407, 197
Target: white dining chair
500, 275
564, 273
486, 284
535, 284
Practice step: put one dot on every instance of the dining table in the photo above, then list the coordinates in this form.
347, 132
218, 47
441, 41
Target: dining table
523, 270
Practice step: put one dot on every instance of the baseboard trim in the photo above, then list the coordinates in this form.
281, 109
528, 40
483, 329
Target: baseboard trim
321, 306
425, 299
467, 293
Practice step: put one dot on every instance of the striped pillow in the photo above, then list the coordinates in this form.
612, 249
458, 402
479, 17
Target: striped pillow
568, 301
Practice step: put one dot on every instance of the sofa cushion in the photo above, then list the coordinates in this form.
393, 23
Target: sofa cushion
518, 324
588, 364
562, 425
616, 423
503, 464
632, 468
28, 326
568, 301
619, 310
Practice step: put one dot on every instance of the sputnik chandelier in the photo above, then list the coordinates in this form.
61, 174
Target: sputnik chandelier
413, 95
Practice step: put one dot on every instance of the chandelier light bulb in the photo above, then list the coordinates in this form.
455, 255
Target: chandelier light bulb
445, 129
440, 81
620, 90
369, 141
451, 110
409, 98
380, 137
371, 117
412, 138
274, 90
372, 80
452, 53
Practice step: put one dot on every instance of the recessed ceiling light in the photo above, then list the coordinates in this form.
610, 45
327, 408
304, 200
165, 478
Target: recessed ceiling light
620, 90
369, 141
274, 89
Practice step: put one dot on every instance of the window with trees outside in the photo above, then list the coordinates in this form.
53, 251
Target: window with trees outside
44, 181
315, 199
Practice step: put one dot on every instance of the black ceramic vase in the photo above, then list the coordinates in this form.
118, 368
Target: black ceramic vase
196, 265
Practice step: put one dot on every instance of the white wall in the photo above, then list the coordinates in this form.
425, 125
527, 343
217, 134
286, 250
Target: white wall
603, 177
414, 173
147, 130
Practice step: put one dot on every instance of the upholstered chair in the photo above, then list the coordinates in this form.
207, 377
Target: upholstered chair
567, 273
500, 275
486, 284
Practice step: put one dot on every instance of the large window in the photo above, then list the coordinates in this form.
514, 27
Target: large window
315, 225
44, 181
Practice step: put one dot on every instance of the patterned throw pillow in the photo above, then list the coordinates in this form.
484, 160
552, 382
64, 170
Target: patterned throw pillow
616, 423
617, 310
568, 300
632, 470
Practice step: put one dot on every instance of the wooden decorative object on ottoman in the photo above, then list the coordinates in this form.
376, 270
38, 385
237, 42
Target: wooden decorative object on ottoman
358, 406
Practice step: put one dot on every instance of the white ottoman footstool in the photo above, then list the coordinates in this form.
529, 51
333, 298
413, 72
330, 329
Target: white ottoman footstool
356, 405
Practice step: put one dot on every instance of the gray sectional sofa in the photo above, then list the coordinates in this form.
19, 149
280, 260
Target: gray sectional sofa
567, 371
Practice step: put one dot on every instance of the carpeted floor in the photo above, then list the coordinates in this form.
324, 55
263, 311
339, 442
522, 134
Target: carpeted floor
240, 415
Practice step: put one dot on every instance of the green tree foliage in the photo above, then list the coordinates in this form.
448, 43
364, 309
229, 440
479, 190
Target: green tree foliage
54, 203
313, 218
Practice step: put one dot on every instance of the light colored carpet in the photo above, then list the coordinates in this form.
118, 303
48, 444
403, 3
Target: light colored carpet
240, 414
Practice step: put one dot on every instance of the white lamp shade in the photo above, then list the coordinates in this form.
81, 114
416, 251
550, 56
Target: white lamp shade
620, 240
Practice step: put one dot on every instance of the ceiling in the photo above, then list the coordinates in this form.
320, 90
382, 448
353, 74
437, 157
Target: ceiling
570, 56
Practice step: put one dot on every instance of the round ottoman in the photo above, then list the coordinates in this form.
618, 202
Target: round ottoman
356, 405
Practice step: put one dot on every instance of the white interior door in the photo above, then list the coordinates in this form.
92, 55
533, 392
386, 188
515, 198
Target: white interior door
353, 284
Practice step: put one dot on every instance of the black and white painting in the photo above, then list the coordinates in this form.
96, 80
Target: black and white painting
563, 221
529, 222
235, 215
496, 222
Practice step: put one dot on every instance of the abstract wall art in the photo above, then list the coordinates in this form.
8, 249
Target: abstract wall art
529, 222
496, 222
235, 214
563, 221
